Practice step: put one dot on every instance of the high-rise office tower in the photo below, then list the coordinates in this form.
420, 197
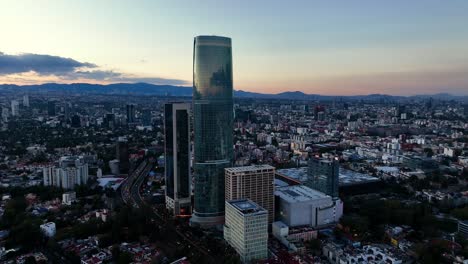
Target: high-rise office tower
323, 175
14, 108
123, 156
26, 100
177, 158
246, 229
255, 183
51, 108
67, 108
130, 113
146, 117
109, 120
5, 114
48, 176
75, 121
213, 124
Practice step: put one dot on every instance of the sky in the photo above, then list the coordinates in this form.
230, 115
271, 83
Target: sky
332, 47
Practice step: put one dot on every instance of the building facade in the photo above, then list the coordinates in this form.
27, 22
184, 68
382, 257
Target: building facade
130, 113
213, 126
246, 229
26, 100
255, 183
177, 158
51, 108
123, 156
69, 173
323, 175
14, 108
299, 205
68, 198
463, 228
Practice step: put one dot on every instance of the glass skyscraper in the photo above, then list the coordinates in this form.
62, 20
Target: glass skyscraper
213, 124
177, 157
323, 175
130, 113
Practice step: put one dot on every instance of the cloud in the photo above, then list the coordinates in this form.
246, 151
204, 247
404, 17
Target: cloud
112, 76
29, 67
153, 80
41, 64
100, 75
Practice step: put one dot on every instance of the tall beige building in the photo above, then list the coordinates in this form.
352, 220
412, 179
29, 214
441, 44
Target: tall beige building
255, 183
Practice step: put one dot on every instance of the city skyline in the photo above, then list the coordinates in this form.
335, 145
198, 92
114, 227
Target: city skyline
392, 48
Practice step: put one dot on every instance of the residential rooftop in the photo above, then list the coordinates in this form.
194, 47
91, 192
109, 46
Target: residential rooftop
247, 207
346, 177
299, 193
249, 168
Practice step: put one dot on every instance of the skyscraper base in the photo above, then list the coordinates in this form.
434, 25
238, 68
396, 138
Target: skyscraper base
206, 221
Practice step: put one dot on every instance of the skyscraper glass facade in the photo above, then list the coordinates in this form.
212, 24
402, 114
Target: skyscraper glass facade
323, 175
213, 124
130, 113
177, 157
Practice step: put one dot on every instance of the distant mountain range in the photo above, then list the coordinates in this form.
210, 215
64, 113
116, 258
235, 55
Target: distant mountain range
170, 90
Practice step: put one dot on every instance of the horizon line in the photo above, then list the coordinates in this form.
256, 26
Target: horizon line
240, 90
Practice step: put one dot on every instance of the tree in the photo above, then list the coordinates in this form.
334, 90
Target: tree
430, 254
30, 260
14, 211
460, 213
124, 258
26, 233
429, 152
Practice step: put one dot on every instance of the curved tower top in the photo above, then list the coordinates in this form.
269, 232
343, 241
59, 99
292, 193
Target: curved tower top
212, 68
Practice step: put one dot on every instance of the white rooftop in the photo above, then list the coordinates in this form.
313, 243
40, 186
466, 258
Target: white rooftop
246, 206
299, 193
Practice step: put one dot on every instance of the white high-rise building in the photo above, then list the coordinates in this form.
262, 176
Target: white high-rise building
26, 100
246, 229
48, 175
14, 108
82, 174
5, 114
66, 176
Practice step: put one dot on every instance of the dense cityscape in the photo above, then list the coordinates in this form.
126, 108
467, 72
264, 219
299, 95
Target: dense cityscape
126, 178
253, 132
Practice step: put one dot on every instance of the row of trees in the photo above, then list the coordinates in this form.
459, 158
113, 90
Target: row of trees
371, 216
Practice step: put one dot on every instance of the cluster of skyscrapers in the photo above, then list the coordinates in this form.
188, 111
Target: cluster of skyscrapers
213, 123
241, 198
246, 223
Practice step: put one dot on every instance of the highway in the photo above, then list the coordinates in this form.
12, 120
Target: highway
130, 191
132, 183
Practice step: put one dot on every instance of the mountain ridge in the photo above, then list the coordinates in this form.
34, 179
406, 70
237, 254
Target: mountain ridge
173, 90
